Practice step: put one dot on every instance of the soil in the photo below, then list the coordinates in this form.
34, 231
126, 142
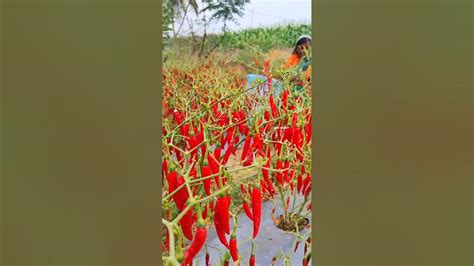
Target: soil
270, 241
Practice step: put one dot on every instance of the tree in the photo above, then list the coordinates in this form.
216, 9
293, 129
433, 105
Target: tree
206, 12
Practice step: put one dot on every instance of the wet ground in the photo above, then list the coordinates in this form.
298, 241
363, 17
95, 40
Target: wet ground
270, 241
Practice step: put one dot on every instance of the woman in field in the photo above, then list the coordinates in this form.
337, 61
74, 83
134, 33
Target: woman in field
300, 61
298, 66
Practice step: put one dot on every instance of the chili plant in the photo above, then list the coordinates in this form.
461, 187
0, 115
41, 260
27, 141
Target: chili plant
211, 122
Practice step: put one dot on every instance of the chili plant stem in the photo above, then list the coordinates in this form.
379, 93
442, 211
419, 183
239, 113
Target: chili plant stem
283, 200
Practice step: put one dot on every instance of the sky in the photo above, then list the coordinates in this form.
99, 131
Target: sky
262, 13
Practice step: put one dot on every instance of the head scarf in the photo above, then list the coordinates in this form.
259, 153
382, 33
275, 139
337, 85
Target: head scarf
302, 37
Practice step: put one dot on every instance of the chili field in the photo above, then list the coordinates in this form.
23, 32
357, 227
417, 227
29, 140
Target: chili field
236, 164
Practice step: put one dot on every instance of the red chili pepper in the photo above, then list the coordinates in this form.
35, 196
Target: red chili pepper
306, 183
300, 183
229, 136
265, 171
182, 195
222, 207
307, 129
217, 153
308, 189
196, 245
287, 204
218, 223
297, 138
296, 247
228, 152
223, 139
222, 238
206, 171
195, 190
204, 213
211, 204
248, 159
242, 115
278, 148
214, 160
274, 260
275, 135
264, 187
208, 263
292, 175
247, 210
252, 257
235, 117
294, 121
285, 173
284, 98
261, 130
184, 130
266, 115
252, 260
243, 130
233, 246
201, 140
224, 180
287, 134
273, 107
172, 179
300, 155
193, 172
215, 108
246, 149
279, 175
306, 260
258, 145
245, 205
242, 189
223, 120
187, 224
226, 214
193, 142
236, 140
266, 65
177, 117
226, 262
268, 186
256, 62
257, 209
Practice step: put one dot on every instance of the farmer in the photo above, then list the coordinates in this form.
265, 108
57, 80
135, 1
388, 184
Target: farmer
300, 61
